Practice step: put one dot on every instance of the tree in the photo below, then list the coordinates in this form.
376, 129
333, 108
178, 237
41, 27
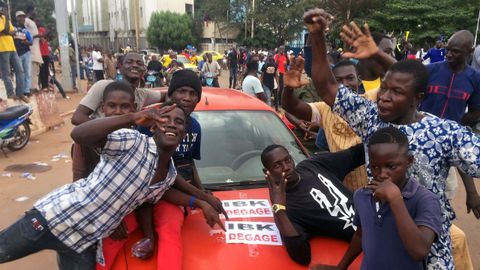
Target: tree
425, 20
44, 11
168, 30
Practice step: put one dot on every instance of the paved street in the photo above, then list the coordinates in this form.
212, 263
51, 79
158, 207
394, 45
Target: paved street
53, 148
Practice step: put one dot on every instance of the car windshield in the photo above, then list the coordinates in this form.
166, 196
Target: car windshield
232, 142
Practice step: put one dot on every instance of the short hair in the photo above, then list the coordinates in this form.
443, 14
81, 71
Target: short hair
268, 149
344, 63
170, 103
252, 65
130, 52
415, 68
118, 86
377, 37
388, 135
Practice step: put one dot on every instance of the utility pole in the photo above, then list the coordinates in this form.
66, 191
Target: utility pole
75, 40
135, 18
61, 15
253, 18
246, 19
476, 31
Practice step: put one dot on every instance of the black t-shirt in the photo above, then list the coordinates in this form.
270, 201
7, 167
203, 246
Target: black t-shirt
233, 58
155, 65
319, 204
269, 70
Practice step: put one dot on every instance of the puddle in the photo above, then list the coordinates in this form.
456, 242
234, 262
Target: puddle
30, 167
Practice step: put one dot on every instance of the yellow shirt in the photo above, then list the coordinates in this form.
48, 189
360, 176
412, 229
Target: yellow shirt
339, 137
371, 85
6, 41
166, 61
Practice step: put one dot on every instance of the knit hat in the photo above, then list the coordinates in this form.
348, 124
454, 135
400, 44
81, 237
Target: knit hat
185, 77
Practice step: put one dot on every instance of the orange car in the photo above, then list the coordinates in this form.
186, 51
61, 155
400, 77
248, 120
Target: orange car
235, 130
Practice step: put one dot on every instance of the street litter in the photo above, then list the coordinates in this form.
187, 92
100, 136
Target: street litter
21, 199
29, 176
41, 163
6, 174
61, 155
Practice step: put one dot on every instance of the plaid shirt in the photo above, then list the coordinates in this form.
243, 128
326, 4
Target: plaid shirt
82, 213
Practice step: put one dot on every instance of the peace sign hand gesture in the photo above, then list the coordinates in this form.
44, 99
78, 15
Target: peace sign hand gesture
276, 186
362, 42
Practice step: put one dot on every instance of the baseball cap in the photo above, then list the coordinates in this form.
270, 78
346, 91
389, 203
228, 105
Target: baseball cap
20, 13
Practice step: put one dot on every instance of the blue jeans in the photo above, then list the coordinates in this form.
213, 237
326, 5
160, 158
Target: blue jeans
26, 61
73, 69
8, 60
232, 80
30, 234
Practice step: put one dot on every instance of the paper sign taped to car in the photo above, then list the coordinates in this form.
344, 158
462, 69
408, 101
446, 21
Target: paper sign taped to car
246, 232
247, 208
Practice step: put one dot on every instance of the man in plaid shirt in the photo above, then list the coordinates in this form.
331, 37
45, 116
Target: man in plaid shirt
133, 169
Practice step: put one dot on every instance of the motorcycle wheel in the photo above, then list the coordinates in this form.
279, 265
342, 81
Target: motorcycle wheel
22, 136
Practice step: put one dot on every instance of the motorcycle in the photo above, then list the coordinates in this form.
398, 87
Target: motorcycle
15, 127
209, 78
152, 79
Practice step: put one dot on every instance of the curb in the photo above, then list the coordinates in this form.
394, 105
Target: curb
67, 113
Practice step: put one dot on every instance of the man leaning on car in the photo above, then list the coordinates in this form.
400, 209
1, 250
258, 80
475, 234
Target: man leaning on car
310, 199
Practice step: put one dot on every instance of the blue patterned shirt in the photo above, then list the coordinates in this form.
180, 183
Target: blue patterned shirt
436, 144
84, 212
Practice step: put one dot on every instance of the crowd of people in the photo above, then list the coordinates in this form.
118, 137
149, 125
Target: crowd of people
25, 49
391, 135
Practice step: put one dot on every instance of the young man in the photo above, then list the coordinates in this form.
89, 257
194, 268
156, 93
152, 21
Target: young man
133, 169
118, 99
310, 199
211, 68
37, 60
397, 219
251, 85
436, 54
97, 58
132, 71
23, 40
454, 86
437, 144
281, 61
269, 77
9, 58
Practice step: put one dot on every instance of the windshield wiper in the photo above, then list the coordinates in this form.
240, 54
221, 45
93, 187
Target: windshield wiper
235, 185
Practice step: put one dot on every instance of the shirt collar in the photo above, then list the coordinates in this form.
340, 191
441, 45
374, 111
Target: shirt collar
410, 188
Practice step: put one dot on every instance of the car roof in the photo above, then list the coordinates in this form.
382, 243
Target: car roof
222, 99
217, 99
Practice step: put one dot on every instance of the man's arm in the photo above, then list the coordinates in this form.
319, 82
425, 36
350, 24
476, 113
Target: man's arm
471, 117
81, 115
417, 239
354, 249
94, 133
290, 102
322, 76
298, 247
89, 103
473, 199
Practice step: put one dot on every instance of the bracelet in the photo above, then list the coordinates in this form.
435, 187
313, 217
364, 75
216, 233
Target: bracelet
192, 200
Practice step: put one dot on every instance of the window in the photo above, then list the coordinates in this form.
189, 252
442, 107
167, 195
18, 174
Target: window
189, 9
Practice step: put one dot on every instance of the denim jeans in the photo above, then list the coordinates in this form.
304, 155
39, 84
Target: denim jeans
232, 80
30, 234
73, 69
8, 60
26, 61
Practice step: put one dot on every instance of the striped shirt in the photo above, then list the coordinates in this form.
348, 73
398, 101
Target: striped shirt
340, 137
84, 212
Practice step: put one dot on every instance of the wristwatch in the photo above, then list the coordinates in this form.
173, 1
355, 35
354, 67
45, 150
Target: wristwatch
277, 207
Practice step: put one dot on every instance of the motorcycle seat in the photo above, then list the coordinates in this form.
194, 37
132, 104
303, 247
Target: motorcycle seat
13, 112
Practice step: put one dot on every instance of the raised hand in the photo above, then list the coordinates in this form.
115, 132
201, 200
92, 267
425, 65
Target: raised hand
362, 42
317, 20
276, 187
152, 117
293, 77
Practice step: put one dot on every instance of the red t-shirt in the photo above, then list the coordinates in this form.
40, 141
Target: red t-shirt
43, 42
281, 61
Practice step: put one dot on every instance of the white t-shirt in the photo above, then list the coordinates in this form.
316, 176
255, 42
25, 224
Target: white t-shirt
95, 56
251, 85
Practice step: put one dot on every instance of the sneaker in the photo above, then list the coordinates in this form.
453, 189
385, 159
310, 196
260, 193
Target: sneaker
66, 97
24, 99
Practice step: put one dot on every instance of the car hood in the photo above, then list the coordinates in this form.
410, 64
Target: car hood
204, 248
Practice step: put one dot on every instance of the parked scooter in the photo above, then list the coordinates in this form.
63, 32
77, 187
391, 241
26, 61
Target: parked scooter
15, 127
209, 77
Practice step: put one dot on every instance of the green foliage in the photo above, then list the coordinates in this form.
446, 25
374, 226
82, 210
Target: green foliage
262, 39
426, 20
168, 30
44, 11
